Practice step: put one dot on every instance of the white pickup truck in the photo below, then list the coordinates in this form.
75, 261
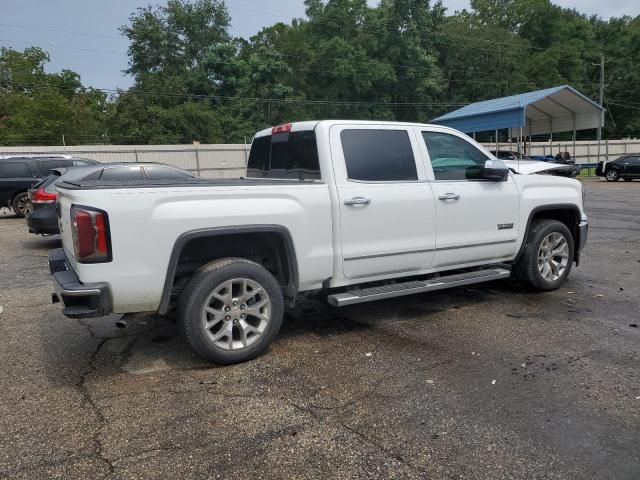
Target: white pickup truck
358, 210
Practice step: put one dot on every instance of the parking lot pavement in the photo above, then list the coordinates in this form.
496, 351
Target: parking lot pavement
483, 382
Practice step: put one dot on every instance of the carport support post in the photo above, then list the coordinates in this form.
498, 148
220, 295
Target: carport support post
520, 153
496, 141
574, 137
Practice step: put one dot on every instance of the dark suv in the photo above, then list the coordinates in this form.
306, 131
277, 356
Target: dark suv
626, 167
18, 174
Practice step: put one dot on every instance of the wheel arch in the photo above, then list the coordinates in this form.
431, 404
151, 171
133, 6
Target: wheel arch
568, 213
17, 192
245, 232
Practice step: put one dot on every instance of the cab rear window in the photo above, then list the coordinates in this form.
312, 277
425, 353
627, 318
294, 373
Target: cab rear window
286, 155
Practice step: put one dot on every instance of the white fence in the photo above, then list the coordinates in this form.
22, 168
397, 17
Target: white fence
209, 161
583, 152
229, 160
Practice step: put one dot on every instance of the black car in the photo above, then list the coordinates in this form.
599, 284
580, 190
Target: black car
18, 174
41, 214
626, 167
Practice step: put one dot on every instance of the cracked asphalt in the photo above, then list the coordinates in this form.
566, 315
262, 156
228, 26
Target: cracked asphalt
484, 382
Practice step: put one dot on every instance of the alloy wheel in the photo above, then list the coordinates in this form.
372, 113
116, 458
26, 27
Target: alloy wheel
553, 256
236, 313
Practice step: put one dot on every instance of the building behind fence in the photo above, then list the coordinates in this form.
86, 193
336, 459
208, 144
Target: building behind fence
230, 160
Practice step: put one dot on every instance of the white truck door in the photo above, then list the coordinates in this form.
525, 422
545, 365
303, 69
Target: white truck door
386, 205
476, 219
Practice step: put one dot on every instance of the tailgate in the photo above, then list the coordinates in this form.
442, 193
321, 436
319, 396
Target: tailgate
63, 209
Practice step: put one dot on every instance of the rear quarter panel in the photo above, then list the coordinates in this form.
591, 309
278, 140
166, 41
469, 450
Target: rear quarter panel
146, 222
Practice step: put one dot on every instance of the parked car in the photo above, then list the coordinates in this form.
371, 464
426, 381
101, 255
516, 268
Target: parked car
18, 174
508, 155
543, 158
355, 210
42, 218
567, 168
626, 167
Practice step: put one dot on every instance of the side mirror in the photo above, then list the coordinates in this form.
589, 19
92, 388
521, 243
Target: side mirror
495, 170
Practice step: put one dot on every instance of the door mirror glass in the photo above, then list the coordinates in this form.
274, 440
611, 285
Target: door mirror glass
495, 170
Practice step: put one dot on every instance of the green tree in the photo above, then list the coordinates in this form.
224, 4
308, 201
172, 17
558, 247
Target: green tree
39, 108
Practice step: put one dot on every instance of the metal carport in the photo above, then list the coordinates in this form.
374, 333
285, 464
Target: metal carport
548, 111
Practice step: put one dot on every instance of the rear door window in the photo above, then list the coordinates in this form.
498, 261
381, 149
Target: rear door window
290, 155
378, 155
166, 173
15, 170
121, 174
94, 176
49, 183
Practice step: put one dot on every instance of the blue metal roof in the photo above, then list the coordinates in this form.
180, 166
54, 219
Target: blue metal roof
509, 112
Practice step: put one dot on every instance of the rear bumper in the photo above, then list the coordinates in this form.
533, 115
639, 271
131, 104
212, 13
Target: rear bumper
43, 221
79, 300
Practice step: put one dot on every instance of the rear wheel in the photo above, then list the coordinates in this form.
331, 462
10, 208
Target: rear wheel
20, 204
612, 176
547, 258
231, 310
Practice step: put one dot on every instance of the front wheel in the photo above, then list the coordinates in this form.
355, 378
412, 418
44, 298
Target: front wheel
547, 258
231, 310
612, 176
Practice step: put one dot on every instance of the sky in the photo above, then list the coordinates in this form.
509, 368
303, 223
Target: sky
82, 35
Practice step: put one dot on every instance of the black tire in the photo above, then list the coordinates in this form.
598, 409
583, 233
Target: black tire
612, 176
201, 286
526, 268
19, 204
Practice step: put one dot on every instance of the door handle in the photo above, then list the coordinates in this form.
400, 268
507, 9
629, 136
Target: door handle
357, 201
449, 196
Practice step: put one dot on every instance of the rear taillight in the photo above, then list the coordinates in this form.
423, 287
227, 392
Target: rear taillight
90, 231
42, 196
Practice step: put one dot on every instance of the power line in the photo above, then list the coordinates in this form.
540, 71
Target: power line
135, 91
69, 47
55, 30
623, 106
609, 99
472, 46
458, 80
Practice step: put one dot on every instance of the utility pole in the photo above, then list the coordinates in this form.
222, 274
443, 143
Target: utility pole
600, 100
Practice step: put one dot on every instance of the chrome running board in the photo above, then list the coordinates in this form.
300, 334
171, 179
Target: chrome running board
417, 286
